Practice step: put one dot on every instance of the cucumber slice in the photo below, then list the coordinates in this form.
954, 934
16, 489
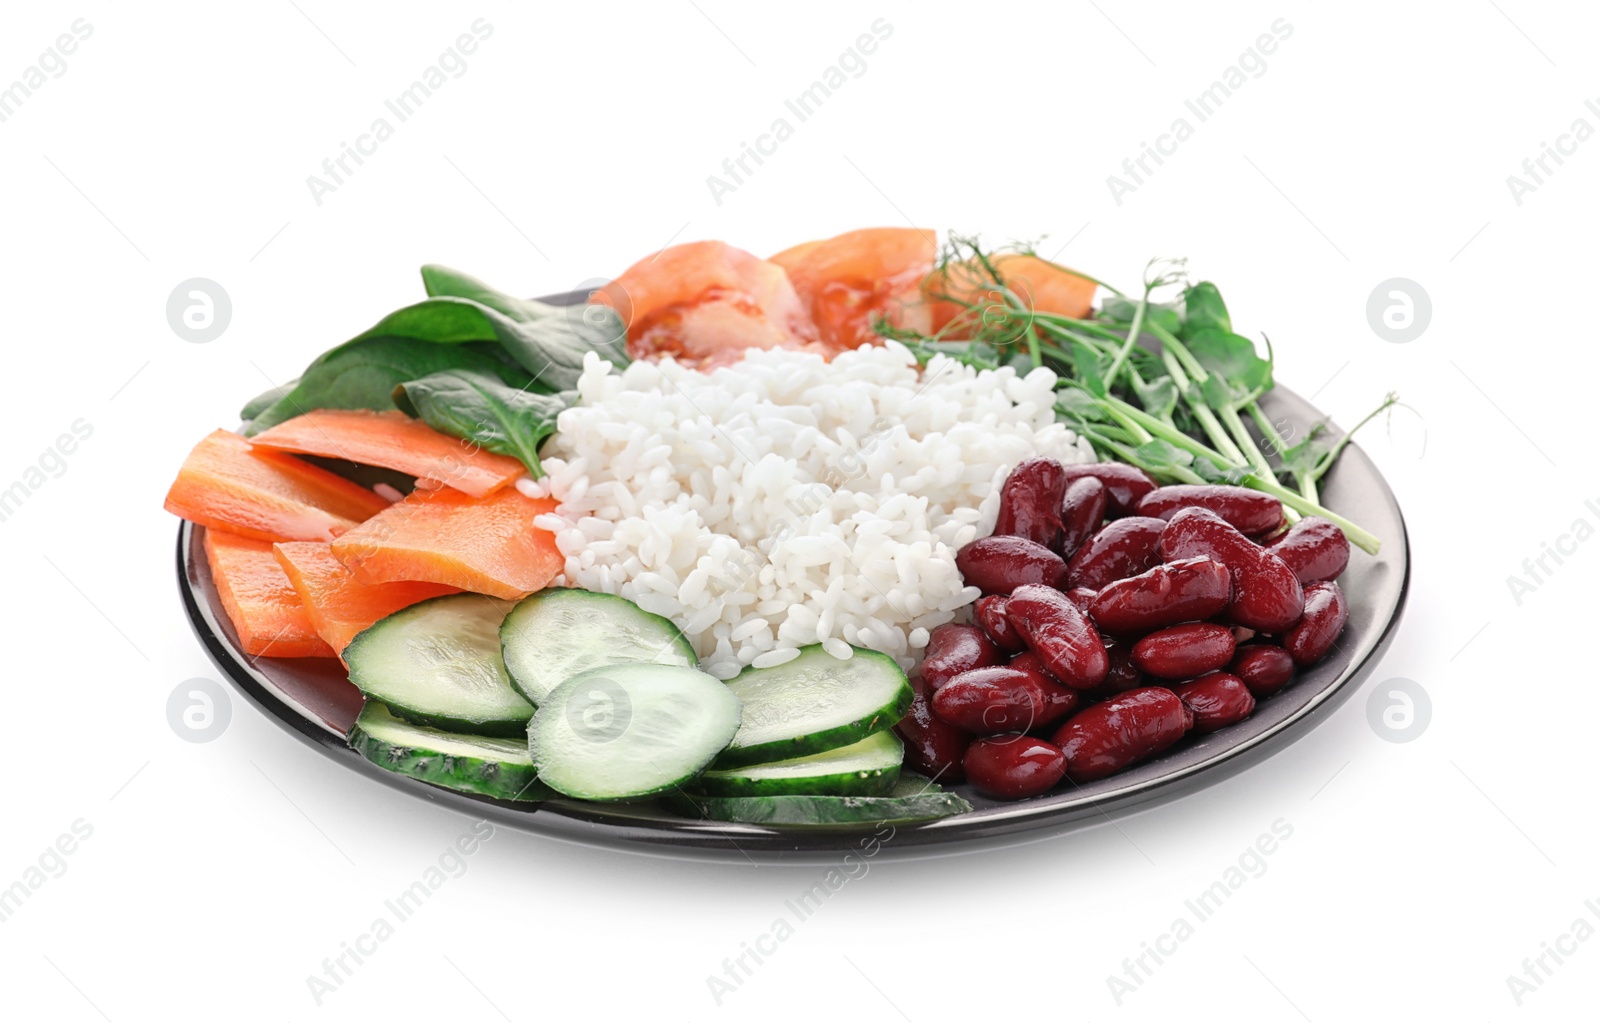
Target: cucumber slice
556, 634
630, 730
438, 664
813, 704
866, 768
478, 764
910, 800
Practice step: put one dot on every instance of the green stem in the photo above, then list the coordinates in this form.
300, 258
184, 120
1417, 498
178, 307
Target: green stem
1306, 506
1202, 412
1132, 338
1267, 429
1230, 416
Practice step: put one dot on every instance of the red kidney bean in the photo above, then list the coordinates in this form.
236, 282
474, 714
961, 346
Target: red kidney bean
1216, 700
1314, 549
1313, 636
934, 747
1125, 547
1263, 667
1180, 591
991, 615
1266, 595
1249, 511
1014, 766
1082, 510
1121, 676
1063, 637
988, 701
1184, 651
1059, 701
1124, 484
1082, 597
953, 649
1030, 502
1107, 737
999, 564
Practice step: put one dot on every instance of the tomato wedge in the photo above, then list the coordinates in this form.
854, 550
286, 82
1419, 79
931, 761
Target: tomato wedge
852, 280
704, 303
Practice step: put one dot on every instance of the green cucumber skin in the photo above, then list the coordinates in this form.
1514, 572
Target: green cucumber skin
513, 782
512, 625
466, 726
860, 783
828, 738
822, 811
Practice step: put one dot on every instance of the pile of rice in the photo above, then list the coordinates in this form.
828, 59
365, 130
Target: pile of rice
784, 500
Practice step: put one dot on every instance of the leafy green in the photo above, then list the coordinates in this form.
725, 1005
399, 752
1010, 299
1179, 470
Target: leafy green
1120, 310
265, 400
1236, 371
363, 374
1203, 309
442, 281
480, 408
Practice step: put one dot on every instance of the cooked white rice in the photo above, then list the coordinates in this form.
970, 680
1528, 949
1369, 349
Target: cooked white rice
785, 501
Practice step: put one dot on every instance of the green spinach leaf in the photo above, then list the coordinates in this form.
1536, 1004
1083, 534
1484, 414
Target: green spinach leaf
364, 374
480, 408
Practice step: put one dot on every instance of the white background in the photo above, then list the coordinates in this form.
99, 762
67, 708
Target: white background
1376, 144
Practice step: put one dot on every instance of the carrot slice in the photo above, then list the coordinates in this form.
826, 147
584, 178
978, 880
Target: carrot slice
228, 485
483, 545
852, 280
265, 610
393, 440
1043, 286
339, 606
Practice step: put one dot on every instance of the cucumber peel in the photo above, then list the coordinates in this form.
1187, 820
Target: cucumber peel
866, 768
814, 703
476, 764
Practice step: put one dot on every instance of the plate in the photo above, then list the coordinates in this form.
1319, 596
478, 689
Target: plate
312, 699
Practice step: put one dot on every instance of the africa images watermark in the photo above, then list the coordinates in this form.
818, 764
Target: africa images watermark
1537, 170
1539, 568
52, 63
50, 465
1252, 863
852, 63
452, 63
1252, 63
1552, 954
50, 864
756, 951
448, 865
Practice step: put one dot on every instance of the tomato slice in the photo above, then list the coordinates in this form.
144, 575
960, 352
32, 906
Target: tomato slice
1044, 286
705, 303
852, 280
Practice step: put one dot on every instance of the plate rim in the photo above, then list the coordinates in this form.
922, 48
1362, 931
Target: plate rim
601, 825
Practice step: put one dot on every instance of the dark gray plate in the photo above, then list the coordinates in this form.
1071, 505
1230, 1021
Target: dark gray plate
314, 701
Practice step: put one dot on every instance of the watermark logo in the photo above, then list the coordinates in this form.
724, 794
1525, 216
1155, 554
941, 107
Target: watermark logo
852, 63
199, 310
199, 710
1540, 568
50, 465
452, 63
600, 712
52, 63
1537, 170
1399, 310
49, 865
1399, 710
601, 325
1252, 63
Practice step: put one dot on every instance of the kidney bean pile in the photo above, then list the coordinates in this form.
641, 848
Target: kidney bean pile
1117, 617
